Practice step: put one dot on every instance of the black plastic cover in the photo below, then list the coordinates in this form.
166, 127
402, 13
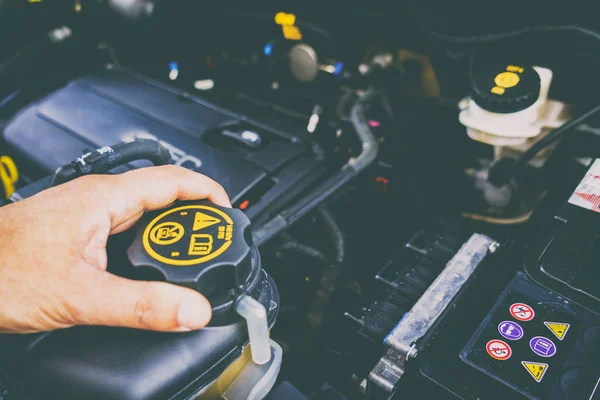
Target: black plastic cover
114, 104
99, 363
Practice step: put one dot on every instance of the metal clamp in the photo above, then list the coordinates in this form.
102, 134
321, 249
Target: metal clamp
402, 341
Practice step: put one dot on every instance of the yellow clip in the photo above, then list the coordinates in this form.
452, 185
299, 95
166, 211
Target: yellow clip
291, 32
282, 18
287, 21
9, 175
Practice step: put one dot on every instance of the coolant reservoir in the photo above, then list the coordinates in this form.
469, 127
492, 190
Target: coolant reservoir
193, 244
509, 107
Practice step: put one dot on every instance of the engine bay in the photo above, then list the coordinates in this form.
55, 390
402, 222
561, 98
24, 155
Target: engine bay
421, 185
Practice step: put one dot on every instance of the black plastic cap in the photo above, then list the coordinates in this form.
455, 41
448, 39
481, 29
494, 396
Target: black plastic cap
199, 245
505, 88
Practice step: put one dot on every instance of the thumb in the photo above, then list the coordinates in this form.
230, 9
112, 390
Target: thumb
114, 301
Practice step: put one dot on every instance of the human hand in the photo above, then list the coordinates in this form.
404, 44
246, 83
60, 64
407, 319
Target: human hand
53, 255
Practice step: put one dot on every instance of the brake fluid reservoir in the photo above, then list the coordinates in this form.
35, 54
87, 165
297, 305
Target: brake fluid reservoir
509, 107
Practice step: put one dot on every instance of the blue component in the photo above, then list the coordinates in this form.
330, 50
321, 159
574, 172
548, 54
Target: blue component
339, 66
173, 65
388, 335
268, 50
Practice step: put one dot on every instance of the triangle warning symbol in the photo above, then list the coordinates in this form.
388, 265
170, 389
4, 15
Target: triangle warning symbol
536, 370
559, 329
202, 221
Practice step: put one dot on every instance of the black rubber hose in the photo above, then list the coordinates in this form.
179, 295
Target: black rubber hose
326, 189
291, 244
504, 169
337, 237
103, 160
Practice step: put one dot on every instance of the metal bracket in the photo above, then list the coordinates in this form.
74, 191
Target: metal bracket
402, 341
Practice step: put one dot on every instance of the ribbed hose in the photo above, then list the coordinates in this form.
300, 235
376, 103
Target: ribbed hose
103, 160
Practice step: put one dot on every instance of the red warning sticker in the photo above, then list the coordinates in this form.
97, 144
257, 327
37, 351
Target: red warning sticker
587, 193
522, 312
498, 349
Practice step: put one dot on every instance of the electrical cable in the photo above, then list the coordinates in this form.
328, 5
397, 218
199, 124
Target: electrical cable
291, 244
495, 37
337, 237
504, 169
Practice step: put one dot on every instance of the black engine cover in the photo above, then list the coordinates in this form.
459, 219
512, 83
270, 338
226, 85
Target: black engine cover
264, 163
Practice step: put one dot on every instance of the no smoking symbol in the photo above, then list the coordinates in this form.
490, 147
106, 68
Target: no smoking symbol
498, 349
522, 312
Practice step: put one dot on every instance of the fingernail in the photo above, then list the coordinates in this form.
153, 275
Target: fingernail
192, 316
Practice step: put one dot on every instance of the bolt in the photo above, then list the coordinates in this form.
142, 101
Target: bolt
412, 353
493, 247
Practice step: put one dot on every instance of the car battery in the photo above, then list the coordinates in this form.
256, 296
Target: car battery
538, 343
531, 328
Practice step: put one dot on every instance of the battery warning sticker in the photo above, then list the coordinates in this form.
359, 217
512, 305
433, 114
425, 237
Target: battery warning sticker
536, 370
587, 193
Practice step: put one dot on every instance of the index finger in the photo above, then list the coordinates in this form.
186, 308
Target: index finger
153, 188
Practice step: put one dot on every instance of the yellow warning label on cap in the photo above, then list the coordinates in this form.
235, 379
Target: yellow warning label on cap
188, 235
166, 233
202, 220
515, 68
559, 329
536, 370
201, 244
507, 79
498, 90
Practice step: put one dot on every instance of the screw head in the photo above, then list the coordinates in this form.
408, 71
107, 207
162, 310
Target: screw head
494, 247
